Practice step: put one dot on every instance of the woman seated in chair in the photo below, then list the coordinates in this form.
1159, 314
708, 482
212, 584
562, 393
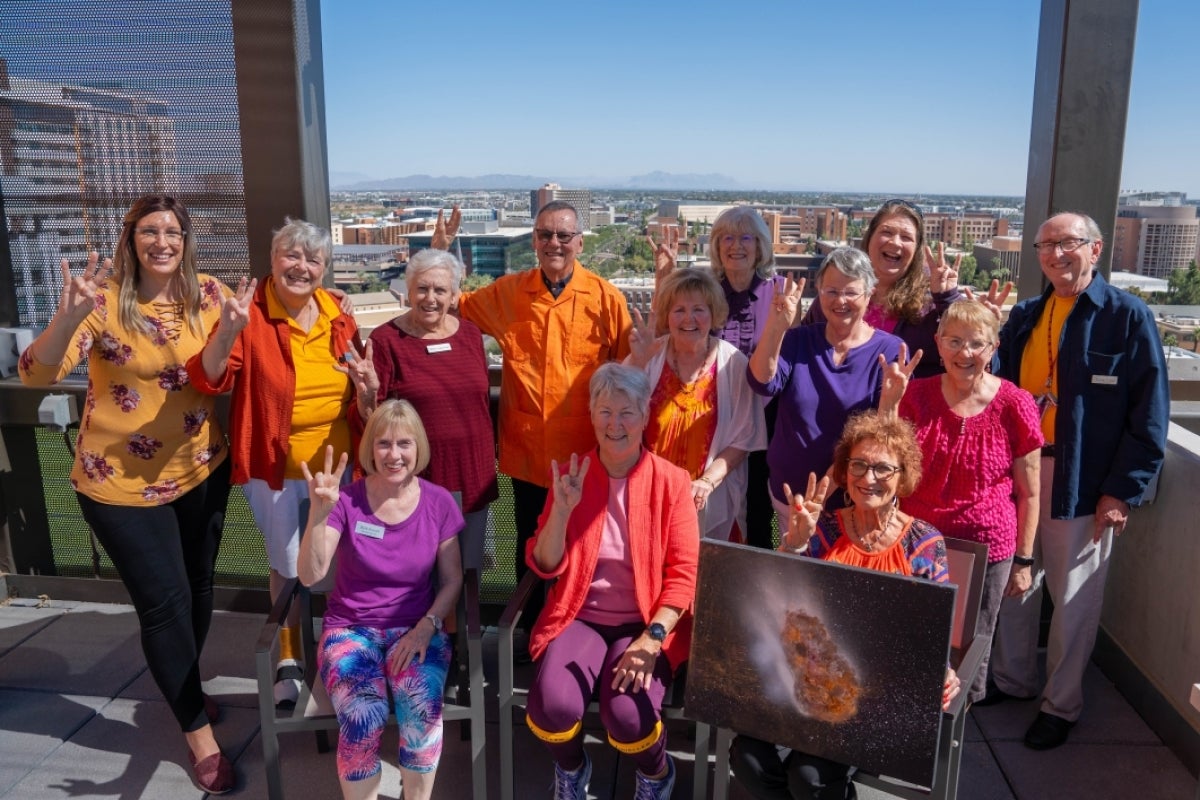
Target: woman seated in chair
393, 534
876, 461
620, 536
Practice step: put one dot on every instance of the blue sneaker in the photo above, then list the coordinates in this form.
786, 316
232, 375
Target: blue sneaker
572, 785
655, 790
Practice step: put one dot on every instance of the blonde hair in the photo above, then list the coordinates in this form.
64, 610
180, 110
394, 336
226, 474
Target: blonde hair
393, 415
685, 281
739, 220
971, 314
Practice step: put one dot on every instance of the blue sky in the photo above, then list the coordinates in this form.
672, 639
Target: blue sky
839, 96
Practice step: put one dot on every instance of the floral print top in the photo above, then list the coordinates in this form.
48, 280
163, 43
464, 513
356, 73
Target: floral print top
146, 437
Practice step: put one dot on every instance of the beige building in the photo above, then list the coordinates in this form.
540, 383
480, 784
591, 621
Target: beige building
1154, 240
580, 200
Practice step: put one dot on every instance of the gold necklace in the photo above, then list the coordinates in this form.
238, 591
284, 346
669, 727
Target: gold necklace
869, 541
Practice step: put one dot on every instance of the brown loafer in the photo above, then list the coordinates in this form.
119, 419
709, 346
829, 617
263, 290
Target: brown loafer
211, 710
214, 774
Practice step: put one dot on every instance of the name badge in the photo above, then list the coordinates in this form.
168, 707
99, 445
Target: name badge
1105, 380
367, 529
443, 347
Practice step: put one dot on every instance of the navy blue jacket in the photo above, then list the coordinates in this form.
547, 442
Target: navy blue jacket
1110, 434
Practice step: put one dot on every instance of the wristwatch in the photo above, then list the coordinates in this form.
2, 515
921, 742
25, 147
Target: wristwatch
437, 622
1023, 561
657, 632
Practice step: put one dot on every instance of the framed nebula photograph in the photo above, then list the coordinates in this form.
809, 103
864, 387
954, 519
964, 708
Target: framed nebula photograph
840, 662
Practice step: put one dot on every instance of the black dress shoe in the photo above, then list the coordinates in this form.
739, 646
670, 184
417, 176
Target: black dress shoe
995, 696
1047, 732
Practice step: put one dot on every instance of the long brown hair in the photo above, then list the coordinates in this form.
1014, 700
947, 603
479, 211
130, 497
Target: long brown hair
126, 268
908, 296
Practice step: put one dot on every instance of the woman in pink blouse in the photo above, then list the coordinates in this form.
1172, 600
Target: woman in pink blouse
435, 361
981, 441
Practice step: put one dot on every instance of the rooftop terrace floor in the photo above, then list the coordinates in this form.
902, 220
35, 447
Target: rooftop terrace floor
80, 717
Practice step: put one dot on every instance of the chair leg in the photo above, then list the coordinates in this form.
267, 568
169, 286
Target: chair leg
721, 773
700, 768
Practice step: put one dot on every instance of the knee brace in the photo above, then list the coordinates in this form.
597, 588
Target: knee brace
641, 745
554, 737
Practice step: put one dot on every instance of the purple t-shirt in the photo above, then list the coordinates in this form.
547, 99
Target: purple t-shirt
385, 573
816, 397
748, 311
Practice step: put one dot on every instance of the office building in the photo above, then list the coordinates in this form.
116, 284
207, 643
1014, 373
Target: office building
1154, 233
580, 200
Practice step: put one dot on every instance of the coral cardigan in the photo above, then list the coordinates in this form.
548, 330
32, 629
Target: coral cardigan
664, 542
262, 375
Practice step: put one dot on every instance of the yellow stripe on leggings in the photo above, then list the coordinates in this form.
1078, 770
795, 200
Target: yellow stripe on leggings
640, 745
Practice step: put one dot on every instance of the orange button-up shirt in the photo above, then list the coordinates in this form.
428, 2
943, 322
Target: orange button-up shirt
551, 348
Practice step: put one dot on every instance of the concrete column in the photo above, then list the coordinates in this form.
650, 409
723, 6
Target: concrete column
1080, 103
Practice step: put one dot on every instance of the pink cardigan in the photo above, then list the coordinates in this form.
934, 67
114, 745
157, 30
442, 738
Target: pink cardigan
664, 541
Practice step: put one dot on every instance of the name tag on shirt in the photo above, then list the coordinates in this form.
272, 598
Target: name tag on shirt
443, 347
1105, 380
367, 529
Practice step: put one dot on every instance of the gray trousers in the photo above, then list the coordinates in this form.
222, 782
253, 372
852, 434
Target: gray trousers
1072, 568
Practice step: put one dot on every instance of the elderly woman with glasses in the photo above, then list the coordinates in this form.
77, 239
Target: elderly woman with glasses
821, 373
878, 462
906, 301
743, 261
981, 438
619, 539
290, 356
435, 361
703, 415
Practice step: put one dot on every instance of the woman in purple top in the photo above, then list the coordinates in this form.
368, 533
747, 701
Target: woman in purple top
393, 534
913, 287
981, 437
743, 260
821, 373
435, 360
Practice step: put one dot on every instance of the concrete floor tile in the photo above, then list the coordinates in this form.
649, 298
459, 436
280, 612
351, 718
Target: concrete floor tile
35, 724
1078, 771
92, 650
21, 621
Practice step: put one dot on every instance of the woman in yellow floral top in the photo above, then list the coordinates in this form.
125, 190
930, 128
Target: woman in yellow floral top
151, 469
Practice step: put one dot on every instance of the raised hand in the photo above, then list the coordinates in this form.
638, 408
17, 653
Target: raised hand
79, 294
235, 309
942, 276
323, 488
896, 377
568, 484
805, 510
642, 340
361, 370
444, 232
995, 297
786, 305
344, 301
666, 252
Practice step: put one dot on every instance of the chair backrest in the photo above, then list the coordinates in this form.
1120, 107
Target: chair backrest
968, 567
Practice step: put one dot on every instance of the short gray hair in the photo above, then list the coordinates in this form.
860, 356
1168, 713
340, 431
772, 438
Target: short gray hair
312, 239
1090, 226
428, 259
614, 378
851, 262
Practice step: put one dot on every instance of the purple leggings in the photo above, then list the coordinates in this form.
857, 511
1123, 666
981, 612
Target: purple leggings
577, 664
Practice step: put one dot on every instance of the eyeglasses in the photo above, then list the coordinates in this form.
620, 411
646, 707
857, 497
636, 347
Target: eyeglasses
849, 294
745, 239
882, 470
955, 345
896, 201
1066, 245
152, 234
563, 237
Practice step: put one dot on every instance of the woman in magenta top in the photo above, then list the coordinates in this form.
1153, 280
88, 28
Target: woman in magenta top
435, 361
981, 438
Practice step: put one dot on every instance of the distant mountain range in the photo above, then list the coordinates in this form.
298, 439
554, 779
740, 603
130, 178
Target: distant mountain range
357, 182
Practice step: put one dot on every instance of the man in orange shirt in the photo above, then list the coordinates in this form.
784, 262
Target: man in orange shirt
555, 325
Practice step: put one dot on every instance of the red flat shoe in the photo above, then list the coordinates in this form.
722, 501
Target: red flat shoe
214, 774
211, 710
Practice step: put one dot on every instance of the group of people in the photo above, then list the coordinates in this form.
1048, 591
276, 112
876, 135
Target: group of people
626, 443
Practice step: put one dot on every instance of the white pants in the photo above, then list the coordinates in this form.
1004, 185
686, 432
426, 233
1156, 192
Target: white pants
1072, 568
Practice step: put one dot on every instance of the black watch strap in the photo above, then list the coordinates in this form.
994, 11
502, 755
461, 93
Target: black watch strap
1022, 561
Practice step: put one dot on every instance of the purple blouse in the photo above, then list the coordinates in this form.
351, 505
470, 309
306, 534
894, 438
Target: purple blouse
748, 311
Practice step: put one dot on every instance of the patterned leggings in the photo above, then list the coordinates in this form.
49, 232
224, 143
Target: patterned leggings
353, 663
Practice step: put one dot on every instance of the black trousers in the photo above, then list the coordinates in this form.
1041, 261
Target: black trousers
757, 766
165, 556
760, 512
528, 501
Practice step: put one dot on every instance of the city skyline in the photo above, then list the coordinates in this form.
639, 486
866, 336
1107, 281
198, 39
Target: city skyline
800, 97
